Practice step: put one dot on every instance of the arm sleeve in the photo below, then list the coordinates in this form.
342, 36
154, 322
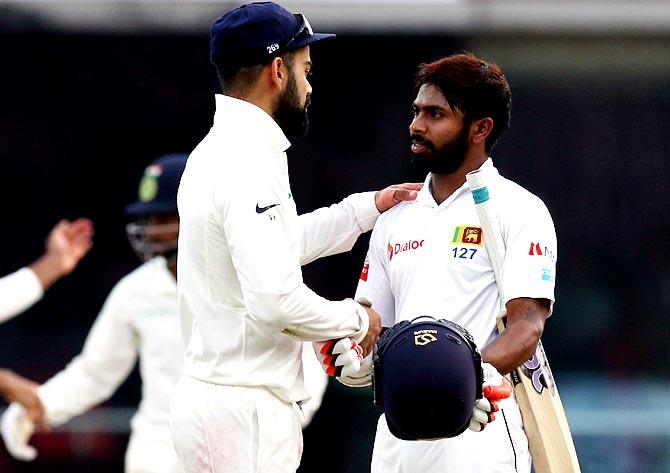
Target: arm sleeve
374, 286
18, 291
265, 253
331, 230
529, 268
108, 356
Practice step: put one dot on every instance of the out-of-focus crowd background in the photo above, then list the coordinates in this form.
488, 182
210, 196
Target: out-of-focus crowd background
91, 91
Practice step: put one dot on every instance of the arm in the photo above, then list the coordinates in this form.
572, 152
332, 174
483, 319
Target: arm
331, 230
108, 356
66, 245
265, 253
524, 327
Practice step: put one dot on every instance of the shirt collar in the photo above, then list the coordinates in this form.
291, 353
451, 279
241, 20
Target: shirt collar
425, 196
232, 112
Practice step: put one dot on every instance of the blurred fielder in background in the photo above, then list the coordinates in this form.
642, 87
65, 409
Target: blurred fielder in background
244, 306
67, 243
426, 258
139, 319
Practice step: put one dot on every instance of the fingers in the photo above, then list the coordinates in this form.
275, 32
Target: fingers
497, 393
392, 195
340, 356
16, 430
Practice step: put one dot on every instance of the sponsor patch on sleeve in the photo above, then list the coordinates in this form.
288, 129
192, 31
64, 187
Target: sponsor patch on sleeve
366, 268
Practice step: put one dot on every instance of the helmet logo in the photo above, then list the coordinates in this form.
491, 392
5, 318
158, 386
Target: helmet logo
149, 183
424, 337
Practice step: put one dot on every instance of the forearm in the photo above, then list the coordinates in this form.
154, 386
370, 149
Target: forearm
524, 327
48, 268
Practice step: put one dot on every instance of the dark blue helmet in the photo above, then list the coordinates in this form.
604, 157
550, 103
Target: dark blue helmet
427, 376
157, 192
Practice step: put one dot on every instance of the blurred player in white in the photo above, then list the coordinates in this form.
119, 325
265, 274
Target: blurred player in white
67, 243
427, 257
139, 319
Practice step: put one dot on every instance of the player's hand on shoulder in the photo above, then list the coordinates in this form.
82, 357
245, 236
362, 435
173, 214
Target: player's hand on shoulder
16, 429
392, 195
341, 357
494, 388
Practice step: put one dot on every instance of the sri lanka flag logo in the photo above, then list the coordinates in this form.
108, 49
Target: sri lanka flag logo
467, 235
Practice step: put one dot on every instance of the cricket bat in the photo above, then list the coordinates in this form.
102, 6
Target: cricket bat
544, 421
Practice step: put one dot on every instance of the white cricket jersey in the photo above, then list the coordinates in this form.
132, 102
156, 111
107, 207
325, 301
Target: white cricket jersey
429, 259
18, 291
139, 318
243, 303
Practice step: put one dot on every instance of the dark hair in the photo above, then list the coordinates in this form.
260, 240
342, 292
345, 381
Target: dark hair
477, 88
242, 78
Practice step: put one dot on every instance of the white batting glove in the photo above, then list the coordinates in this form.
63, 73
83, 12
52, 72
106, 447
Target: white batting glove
494, 388
361, 378
16, 430
341, 357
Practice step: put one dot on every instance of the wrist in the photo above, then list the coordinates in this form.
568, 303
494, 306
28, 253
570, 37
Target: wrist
48, 268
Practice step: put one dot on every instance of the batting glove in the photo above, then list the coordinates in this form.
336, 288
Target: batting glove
361, 378
16, 430
495, 388
341, 357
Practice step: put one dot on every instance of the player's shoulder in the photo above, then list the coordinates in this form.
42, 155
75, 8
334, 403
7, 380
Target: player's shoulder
392, 215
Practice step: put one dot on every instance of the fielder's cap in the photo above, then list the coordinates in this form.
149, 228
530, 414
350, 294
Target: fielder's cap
254, 33
427, 376
158, 187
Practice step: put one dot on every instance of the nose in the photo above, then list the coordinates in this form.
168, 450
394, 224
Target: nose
417, 126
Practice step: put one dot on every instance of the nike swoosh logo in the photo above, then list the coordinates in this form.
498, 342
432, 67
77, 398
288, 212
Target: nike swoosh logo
260, 210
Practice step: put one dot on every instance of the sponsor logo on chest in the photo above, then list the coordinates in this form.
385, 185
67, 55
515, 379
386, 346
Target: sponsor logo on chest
394, 248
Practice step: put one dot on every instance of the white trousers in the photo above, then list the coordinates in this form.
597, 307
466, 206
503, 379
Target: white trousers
502, 447
233, 429
151, 452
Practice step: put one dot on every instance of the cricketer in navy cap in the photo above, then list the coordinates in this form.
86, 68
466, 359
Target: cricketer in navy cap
254, 33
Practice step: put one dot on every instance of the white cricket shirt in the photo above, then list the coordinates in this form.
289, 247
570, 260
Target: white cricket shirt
18, 291
243, 303
139, 318
429, 259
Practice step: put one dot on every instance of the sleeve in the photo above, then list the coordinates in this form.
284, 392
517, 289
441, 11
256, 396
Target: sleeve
316, 382
331, 230
108, 356
18, 291
374, 286
529, 268
266, 257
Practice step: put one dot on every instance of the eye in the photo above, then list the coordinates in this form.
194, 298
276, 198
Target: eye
435, 113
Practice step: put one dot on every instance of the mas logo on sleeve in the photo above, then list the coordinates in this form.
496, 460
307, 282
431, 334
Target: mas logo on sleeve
538, 249
467, 235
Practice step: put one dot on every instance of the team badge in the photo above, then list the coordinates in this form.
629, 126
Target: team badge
467, 235
149, 183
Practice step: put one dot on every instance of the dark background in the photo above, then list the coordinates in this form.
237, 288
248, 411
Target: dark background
82, 114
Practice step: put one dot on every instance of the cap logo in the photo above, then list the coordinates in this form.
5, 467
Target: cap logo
149, 183
272, 48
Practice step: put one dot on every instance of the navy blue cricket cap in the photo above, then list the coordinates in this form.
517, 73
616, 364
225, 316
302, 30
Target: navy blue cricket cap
157, 192
254, 33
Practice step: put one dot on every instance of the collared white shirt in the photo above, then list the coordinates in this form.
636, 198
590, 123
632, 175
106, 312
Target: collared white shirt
243, 303
428, 259
18, 291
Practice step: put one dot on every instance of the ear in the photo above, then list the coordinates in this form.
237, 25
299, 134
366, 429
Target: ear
278, 73
481, 129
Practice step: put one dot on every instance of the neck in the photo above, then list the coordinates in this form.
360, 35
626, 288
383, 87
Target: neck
444, 185
258, 97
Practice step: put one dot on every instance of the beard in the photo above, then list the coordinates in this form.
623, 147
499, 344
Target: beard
290, 115
446, 159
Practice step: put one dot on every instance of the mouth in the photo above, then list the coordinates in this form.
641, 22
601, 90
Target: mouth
418, 145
